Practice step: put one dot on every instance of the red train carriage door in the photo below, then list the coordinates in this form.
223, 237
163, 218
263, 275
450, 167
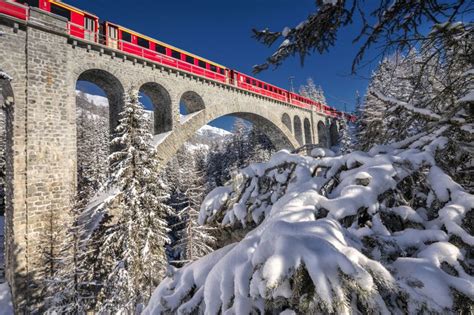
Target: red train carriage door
89, 28
112, 36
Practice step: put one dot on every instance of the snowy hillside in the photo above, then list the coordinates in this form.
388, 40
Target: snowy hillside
95, 99
207, 136
380, 232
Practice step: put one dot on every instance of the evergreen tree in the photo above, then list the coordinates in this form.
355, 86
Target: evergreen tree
260, 148
371, 115
133, 249
68, 287
193, 240
310, 90
247, 144
92, 144
345, 138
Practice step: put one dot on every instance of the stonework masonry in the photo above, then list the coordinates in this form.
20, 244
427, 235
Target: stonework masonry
40, 126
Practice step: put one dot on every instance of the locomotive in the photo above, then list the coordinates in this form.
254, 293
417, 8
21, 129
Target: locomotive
88, 28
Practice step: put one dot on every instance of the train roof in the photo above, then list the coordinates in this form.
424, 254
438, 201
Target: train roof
167, 45
72, 8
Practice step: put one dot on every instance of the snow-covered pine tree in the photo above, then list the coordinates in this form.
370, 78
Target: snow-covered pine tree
247, 144
345, 138
177, 180
312, 91
259, 146
69, 289
236, 151
428, 92
356, 126
93, 143
380, 122
133, 250
380, 232
193, 239
371, 125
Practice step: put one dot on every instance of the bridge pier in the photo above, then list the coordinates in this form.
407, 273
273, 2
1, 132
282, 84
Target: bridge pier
41, 149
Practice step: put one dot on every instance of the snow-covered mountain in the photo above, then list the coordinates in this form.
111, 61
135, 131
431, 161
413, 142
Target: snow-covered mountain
94, 99
206, 136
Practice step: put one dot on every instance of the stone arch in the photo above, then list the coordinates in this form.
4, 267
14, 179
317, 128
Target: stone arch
192, 102
307, 131
322, 134
333, 133
286, 120
113, 89
298, 129
274, 132
163, 117
269, 124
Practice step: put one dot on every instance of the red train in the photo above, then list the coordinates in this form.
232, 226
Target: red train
87, 27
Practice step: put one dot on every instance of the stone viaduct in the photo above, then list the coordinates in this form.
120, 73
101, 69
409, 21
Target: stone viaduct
45, 64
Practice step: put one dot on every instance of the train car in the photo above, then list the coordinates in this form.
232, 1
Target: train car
15, 9
249, 83
81, 24
301, 101
126, 40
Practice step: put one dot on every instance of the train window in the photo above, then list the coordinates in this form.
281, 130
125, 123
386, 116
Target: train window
126, 37
56, 9
175, 54
160, 48
265, 87
202, 64
32, 3
213, 68
254, 82
89, 28
189, 59
143, 42
247, 80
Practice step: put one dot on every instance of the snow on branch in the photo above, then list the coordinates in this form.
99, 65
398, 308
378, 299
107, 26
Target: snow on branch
334, 234
398, 103
5, 76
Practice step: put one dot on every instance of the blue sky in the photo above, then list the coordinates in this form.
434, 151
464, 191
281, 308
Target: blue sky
221, 31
